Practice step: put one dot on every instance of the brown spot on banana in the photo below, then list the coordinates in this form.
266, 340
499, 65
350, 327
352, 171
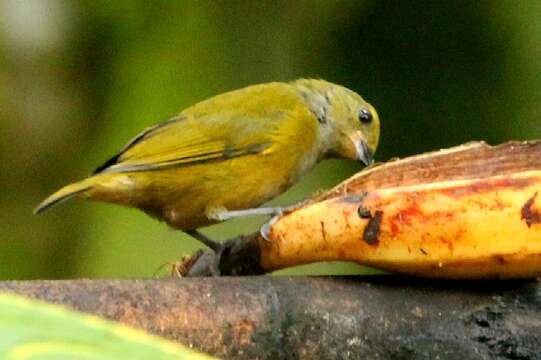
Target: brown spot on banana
529, 214
371, 231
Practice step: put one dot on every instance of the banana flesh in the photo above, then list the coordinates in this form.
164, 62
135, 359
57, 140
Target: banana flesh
476, 218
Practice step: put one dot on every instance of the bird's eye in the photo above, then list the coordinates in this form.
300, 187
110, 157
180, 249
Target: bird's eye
365, 116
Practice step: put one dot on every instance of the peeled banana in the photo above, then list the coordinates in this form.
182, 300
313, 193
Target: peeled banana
468, 212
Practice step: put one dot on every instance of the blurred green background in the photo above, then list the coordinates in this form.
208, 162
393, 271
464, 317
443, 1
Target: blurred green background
80, 78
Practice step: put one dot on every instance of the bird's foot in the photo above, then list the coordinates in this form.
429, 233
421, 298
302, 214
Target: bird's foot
265, 228
222, 214
213, 264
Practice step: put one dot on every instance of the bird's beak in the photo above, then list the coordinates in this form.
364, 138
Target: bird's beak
363, 152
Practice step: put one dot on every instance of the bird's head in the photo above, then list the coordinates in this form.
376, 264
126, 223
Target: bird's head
349, 126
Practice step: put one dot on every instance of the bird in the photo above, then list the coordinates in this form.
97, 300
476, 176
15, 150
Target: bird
225, 156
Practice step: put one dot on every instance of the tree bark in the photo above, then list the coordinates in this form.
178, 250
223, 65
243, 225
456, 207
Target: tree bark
317, 318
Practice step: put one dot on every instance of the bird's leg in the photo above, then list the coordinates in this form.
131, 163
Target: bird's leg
214, 245
221, 214
230, 214
217, 247
224, 214
274, 212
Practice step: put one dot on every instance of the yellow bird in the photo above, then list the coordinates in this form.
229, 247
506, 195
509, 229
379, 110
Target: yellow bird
224, 156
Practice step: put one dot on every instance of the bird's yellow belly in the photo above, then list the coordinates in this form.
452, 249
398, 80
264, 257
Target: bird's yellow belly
184, 196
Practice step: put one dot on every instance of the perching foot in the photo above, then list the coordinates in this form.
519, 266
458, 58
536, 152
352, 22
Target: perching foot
217, 247
265, 228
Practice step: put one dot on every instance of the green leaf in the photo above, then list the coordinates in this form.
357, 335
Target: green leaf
35, 330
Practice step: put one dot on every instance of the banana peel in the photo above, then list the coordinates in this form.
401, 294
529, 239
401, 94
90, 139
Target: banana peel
468, 212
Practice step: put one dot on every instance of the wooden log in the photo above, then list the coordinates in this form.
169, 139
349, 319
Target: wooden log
317, 318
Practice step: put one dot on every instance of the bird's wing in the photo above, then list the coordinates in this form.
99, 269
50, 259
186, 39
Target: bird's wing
189, 139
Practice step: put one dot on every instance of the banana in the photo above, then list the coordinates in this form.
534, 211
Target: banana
468, 212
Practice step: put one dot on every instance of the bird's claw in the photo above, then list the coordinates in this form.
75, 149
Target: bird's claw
266, 227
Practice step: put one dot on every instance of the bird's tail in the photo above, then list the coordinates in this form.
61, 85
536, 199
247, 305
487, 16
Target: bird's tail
66, 193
